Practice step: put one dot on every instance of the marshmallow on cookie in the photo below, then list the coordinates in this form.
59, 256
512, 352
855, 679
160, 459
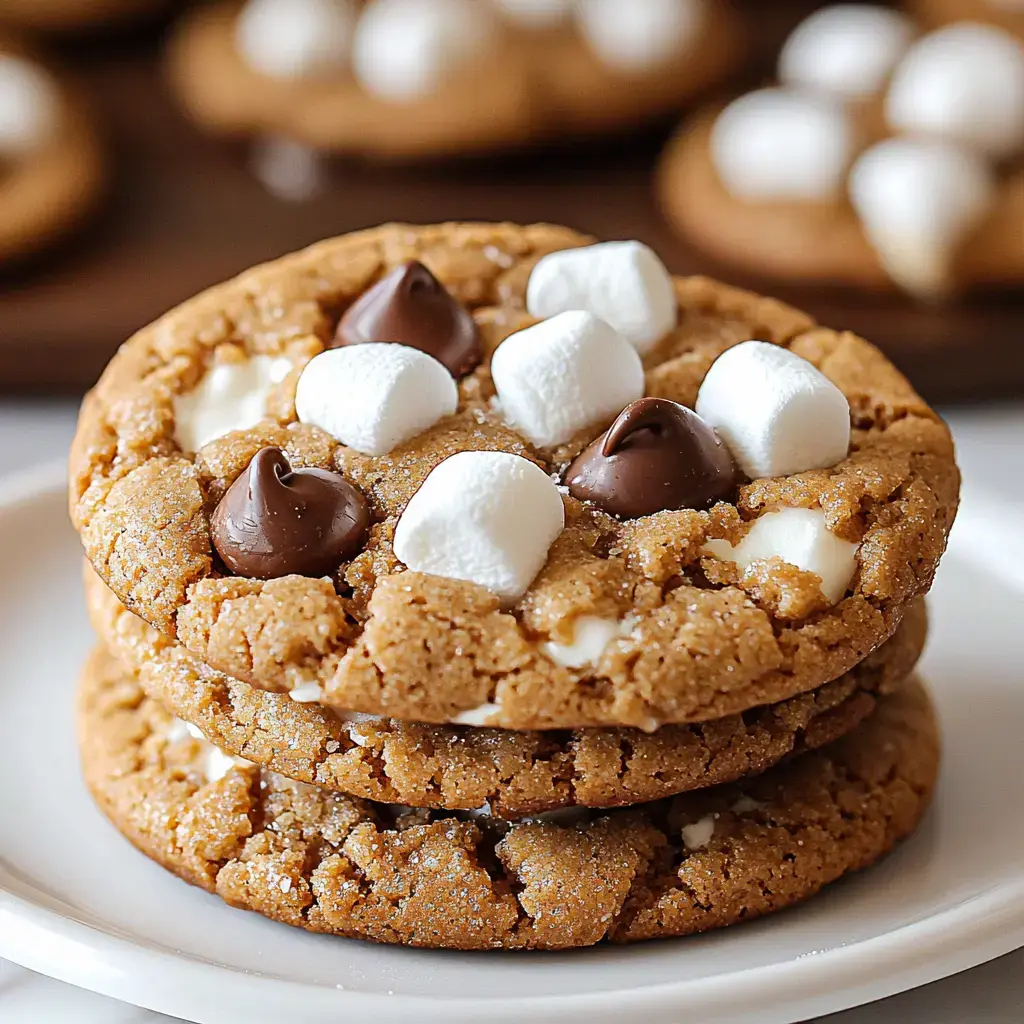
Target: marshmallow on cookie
952, 104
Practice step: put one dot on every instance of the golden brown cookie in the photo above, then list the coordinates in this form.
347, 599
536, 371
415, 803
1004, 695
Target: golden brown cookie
858, 176
550, 83
461, 768
67, 15
52, 168
705, 641
335, 864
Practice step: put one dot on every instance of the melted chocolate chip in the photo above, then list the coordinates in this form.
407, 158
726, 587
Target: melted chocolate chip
657, 455
275, 521
410, 306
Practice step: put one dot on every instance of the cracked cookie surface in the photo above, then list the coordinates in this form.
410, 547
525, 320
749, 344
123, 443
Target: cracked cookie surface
515, 774
336, 864
379, 640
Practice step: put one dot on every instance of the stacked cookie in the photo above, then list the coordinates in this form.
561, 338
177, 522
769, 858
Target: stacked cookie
476, 586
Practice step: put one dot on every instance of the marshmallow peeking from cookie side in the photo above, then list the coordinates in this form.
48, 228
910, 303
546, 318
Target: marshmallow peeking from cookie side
800, 537
29, 107
564, 374
623, 283
376, 396
406, 49
778, 414
641, 35
846, 50
291, 39
230, 396
918, 199
777, 145
963, 83
485, 517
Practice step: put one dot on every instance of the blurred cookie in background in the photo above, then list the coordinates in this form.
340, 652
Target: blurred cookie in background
71, 15
885, 156
407, 79
1007, 14
51, 164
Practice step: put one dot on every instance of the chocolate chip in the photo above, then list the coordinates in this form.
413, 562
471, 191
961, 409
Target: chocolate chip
656, 455
410, 306
275, 521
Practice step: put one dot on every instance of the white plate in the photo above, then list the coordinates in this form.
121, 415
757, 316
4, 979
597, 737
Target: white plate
76, 902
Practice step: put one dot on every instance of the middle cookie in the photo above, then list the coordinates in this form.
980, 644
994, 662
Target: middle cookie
515, 774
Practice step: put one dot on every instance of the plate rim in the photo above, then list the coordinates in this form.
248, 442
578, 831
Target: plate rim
87, 956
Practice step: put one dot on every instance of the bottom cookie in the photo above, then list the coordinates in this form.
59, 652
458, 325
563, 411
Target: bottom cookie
331, 863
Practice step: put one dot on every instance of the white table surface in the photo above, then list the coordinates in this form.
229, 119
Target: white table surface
988, 442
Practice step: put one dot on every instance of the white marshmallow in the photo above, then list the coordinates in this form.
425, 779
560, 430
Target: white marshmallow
917, 200
485, 517
697, 835
799, 537
778, 145
29, 106
231, 396
405, 49
640, 35
778, 414
376, 396
564, 374
848, 50
480, 716
590, 636
623, 283
536, 14
963, 83
295, 38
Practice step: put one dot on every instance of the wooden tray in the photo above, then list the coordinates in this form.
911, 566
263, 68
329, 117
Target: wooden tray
186, 212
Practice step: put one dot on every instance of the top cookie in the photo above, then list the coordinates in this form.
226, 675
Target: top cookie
427, 569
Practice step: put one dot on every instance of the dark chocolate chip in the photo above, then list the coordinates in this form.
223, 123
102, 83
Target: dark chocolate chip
657, 455
410, 306
275, 521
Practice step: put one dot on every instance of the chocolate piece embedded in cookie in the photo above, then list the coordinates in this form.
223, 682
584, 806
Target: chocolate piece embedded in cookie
410, 306
277, 521
335, 864
657, 455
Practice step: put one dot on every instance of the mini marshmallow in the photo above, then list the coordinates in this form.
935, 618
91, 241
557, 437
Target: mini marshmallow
29, 107
847, 50
564, 374
290, 39
697, 835
536, 14
799, 537
918, 199
484, 517
640, 35
963, 83
777, 145
480, 716
778, 414
591, 634
231, 396
623, 283
405, 49
374, 397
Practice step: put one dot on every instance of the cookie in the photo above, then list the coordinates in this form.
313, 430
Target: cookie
402, 79
68, 15
331, 863
52, 169
481, 594
514, 774
846, 172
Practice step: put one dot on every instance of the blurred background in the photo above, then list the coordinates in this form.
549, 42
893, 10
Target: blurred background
184, 208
